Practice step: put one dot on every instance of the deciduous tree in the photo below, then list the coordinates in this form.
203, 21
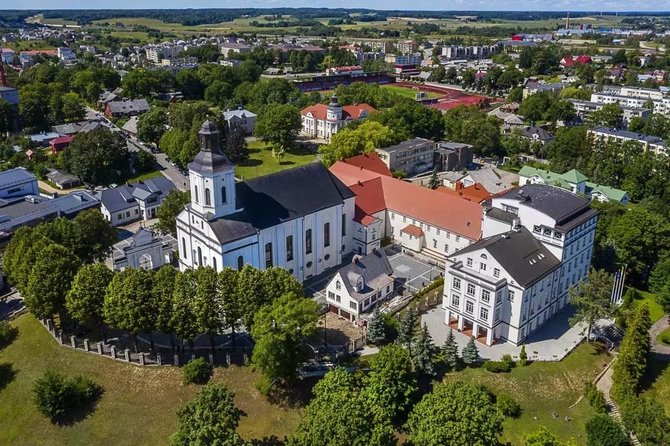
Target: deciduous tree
85, 300
591, 299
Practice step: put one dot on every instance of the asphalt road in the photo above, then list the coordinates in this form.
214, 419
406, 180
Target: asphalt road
9, 304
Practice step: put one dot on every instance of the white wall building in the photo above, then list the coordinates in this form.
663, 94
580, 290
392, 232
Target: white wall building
537, 243
298, 219
323, 121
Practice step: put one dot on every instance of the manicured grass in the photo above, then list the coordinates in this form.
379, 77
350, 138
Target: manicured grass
663, 337
408, 92
655, 310
145, 176
138, 406
261, 162
657, 382
543, 389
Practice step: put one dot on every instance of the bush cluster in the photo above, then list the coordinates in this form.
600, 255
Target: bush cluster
197, 371
595, 397
505, 365
59, 397
7, 334
508, 406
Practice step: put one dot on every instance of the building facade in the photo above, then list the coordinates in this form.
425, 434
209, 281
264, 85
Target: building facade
323, 121
413, 157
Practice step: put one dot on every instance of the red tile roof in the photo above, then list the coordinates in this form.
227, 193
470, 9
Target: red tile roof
61, 140
475, 192
320, 111
369, 161
413, 230
375, 192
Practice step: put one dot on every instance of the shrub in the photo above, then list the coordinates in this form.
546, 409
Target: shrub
523, 356
604, 430
197, 371
507, 359
497, 367
665, 338
508, 406
59, 397
595, 397
7, 334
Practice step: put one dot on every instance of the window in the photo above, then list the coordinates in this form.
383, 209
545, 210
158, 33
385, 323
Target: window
536, 228
353, 305
434, 244
326, 235
546, 232
484, 314
196, 193
338, 298
331, 295
392, 216
183, 247
456, 283
224, 198
486, 296
240, 262
468, 261
496, 272
289, 248
438, 231
482, 266
469, 307
455, 300
510, 209
214, 263
497, 314
446, 248
199, 256
448, 235
458, 238
471, 289
208, 199
404, 219
344, 225
308, 241
338, 285
268, 255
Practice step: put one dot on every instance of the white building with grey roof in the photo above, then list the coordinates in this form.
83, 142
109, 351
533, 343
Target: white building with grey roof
538, 242
360, 286
145, 249
137, 201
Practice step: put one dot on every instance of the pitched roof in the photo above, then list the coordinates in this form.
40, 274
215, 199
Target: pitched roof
369, 161
375, 270
232, 227
128, 106
524, 257
557, 203
610, 192
413, 230
574, 176
350, 174
289, 194
475, 192
17, 175
320, 111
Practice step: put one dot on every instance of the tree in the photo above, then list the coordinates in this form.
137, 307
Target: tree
184, 321
591, 299
235, 144
541, 437
523, 356
58, 397
434, 182
376, 333
631, 363
97, 157
129, 303
169, 209
407, 329
207, 303
250, 290
49, 280
355, 140
424, 352
390, 385
231, 299
85, 300
603, 430
339, 416
457, 414
279, 125
610, 115
278, 332
210, 418
276, 282
648, 419
450, 351
93, 236
163, 292
7, 117
470, 354
152, 125
73, 107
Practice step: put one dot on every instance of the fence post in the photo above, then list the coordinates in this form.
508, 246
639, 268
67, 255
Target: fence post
100, 350
192, 356
87, 345
227, 358
112, 351
211, 358
73, 341
50, 325
61, 337
159, 359
176, 359
141, 358
126, 355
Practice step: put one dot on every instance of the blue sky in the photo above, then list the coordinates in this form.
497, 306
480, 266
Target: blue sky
524, 5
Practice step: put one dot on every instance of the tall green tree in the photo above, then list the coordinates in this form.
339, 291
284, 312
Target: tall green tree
278, 332
98, 157
231, 300
211, 418
278, 124
129, 302
390, 386
450, 351
457, 414
208, 306
631, 363
169, 209
152, 125
163, 291
250, 288
424, 352
591, 299
470, 354
376, 327
407, 330
94, 236
85, 300
184, 320
541, 437
605, 430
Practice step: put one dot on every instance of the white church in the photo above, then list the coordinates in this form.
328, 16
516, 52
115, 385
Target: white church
298, 219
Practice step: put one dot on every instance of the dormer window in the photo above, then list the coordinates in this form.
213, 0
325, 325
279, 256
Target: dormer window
338, 285
360, 284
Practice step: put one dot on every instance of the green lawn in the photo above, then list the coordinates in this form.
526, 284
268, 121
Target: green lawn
145, 176
655, 309
658, 382
261, 162
663, 337
408, 92
138, 405
545, 388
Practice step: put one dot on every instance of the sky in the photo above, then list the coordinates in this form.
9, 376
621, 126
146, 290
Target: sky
470, 5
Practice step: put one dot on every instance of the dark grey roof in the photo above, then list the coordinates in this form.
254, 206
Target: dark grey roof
232, 227
374, 268
59, 178
18, 175
128, 106
501, 215
629, 135
558, 203
408, 144
124, 197
210, 158
524, 257
542, 134
289, 194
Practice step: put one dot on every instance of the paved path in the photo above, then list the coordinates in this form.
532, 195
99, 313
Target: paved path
656, 329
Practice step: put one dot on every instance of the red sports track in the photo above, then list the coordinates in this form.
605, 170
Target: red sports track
449, 98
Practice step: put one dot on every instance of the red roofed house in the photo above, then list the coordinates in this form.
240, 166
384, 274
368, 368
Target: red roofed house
475, 192
323, 121
59, 143
569, 61
420, 219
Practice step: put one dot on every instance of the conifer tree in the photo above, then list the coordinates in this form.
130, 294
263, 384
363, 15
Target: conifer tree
470, 352
450, 350
407, 329
523, 356
376, 327
424, 352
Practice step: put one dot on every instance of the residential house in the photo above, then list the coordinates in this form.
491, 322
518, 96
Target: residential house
126, 108
241, 119
323, 121
137, 201
298, 219
59, 144
648, 142
360, 286
63, 180
536, 135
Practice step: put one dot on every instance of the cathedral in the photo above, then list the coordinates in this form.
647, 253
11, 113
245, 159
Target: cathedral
298, 219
